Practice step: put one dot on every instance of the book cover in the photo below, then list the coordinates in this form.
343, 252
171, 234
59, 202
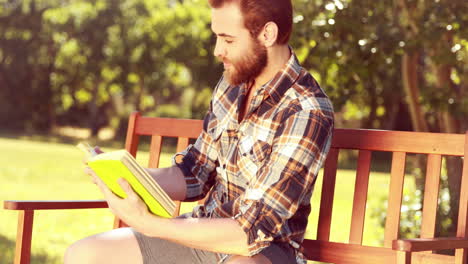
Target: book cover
110, 166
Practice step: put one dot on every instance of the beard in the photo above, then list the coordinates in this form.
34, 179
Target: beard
248, 66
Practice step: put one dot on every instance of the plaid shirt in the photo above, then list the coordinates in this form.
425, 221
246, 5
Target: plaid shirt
262, 171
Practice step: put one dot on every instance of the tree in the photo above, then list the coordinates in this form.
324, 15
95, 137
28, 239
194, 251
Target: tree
93, 62
379, 59
27, 59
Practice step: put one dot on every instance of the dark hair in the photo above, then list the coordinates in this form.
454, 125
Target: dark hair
258, 12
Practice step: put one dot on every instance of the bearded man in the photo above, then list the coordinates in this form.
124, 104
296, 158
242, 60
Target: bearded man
265, 137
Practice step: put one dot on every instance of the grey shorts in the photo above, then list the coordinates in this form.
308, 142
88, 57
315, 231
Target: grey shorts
159, 251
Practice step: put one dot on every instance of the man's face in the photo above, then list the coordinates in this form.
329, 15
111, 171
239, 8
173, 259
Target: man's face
243, 57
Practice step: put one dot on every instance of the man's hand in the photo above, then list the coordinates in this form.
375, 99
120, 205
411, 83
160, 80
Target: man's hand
131, 209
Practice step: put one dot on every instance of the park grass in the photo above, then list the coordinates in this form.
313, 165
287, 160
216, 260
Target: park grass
37, 170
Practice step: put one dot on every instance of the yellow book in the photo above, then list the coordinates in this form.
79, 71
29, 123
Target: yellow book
110, 166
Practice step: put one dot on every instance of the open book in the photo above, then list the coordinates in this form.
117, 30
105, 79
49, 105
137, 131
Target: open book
110, 166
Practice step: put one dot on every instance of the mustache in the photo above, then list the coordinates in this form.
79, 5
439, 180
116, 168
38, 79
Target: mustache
222, 60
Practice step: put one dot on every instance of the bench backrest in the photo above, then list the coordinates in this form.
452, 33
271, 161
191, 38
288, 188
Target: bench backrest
400, 144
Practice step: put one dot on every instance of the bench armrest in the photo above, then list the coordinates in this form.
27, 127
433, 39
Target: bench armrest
26, 220
427, 244
53, 205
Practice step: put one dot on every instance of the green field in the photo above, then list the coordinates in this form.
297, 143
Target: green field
35, 170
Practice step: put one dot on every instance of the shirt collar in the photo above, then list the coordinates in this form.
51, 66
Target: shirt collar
283, 79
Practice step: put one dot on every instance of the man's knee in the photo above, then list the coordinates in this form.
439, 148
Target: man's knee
82, 251
115, 246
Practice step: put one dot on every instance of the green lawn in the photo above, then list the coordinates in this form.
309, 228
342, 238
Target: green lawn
33, 170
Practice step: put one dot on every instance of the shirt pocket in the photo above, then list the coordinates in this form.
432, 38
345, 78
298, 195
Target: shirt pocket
254, 150
252, 155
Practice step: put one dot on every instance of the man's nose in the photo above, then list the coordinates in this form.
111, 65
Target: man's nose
219, 50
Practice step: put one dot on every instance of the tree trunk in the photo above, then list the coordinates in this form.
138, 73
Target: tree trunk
448, 124
368, 123
411, 88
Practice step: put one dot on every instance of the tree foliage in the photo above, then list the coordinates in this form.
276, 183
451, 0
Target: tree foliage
90, 63
359, 48
398, 64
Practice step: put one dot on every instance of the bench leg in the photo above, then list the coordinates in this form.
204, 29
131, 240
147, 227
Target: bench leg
461, 256
403, 257
23, 237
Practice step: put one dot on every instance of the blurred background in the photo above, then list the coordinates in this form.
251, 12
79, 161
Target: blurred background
75, 69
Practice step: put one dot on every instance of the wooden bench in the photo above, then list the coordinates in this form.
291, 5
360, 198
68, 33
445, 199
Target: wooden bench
394, 250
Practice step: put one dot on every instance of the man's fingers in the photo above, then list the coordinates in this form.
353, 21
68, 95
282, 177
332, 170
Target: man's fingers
124, 184
100, 183
89, 171
96, 180
103, 187
94, 177
126, 187
105, 190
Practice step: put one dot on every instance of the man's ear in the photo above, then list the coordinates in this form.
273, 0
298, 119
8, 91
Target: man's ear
269, 34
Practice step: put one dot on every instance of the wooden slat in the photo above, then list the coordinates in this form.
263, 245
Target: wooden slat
131, 145
399, 141
169, 127
461, 255
360, 197
426, 244
182, 143
132, 139
24, 237
328, 190
177, 209
342, 253
392, 223
431, 195
53, 205
155, 151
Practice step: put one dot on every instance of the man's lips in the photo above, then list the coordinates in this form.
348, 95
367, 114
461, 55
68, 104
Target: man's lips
226, 64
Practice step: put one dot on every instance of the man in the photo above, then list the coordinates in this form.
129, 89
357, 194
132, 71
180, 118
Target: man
265, 136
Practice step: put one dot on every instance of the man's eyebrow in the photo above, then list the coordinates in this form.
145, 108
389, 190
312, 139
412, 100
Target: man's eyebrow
225, 35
